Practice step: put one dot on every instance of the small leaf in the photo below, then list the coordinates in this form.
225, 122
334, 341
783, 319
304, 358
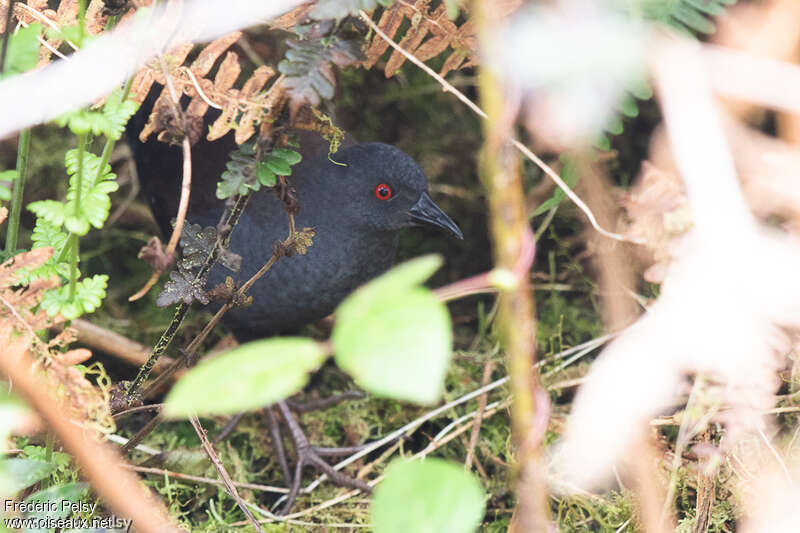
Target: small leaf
23, 50
182, 287
394, 336
290, 156
265, 176
338, 9
89, 294
52, 500
8, 175
76, 225
240, 174
25, 472
436, 496
253, 375
278, 166
118, 113
569, 173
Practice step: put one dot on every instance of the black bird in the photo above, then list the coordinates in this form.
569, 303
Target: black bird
356, 200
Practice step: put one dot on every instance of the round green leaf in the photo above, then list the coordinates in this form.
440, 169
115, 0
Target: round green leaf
265, 176
290, 156
22, 473
394, 336
278, 166
400, 278
427, 496
253, 375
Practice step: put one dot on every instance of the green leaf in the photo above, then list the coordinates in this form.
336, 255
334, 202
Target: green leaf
23, 50
51, 501
72, 33
393, 336
89, 294
8, 175
429, 496
49, 211
96, 186
278, 166
290, 156
77, 225
240, 174
118, 113
338, 9
253, 375
569, 173
25, 472
265, 176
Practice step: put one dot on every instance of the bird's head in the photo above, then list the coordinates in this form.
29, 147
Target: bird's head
390, 189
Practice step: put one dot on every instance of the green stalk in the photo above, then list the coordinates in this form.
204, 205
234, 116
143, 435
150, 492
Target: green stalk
110, 143
82, 19
50, 443
23, 152
73, 238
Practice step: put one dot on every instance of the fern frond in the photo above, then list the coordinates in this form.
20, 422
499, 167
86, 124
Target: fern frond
430, 33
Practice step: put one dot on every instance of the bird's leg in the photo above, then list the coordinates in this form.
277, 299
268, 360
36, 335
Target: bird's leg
324, 403
277, 439
229, 427
310, 455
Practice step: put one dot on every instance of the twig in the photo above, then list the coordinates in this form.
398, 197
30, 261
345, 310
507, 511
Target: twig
207, 480
6, 35
777, 456
241, 293
226, 479
411, 426
706, 478
112, 343
142, 433
140, 409
183, 308
476, 424
448, 87
186, 188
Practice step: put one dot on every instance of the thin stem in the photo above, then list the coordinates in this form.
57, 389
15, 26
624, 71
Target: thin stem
183, 308
500, 171
73, 237
6, 35
110, 143
49, 444
23, 152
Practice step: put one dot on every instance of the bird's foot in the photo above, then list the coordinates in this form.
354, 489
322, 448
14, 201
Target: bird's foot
324, 403
308, 455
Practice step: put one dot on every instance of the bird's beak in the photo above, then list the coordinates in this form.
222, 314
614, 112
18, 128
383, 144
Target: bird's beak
427, 212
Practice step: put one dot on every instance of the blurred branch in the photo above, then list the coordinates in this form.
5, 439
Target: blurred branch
119, 488
500, 172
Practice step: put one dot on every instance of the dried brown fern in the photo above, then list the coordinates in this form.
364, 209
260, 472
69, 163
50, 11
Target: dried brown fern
20, 319
242, 109
430, 33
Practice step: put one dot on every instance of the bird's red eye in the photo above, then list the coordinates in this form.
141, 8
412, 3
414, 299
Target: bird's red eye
383, 192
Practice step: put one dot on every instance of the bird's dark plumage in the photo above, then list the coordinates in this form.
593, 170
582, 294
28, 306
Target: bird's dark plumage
356, 206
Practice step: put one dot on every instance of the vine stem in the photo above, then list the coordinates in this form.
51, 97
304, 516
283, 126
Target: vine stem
23, 152
180, 312
500, 171
73, 237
